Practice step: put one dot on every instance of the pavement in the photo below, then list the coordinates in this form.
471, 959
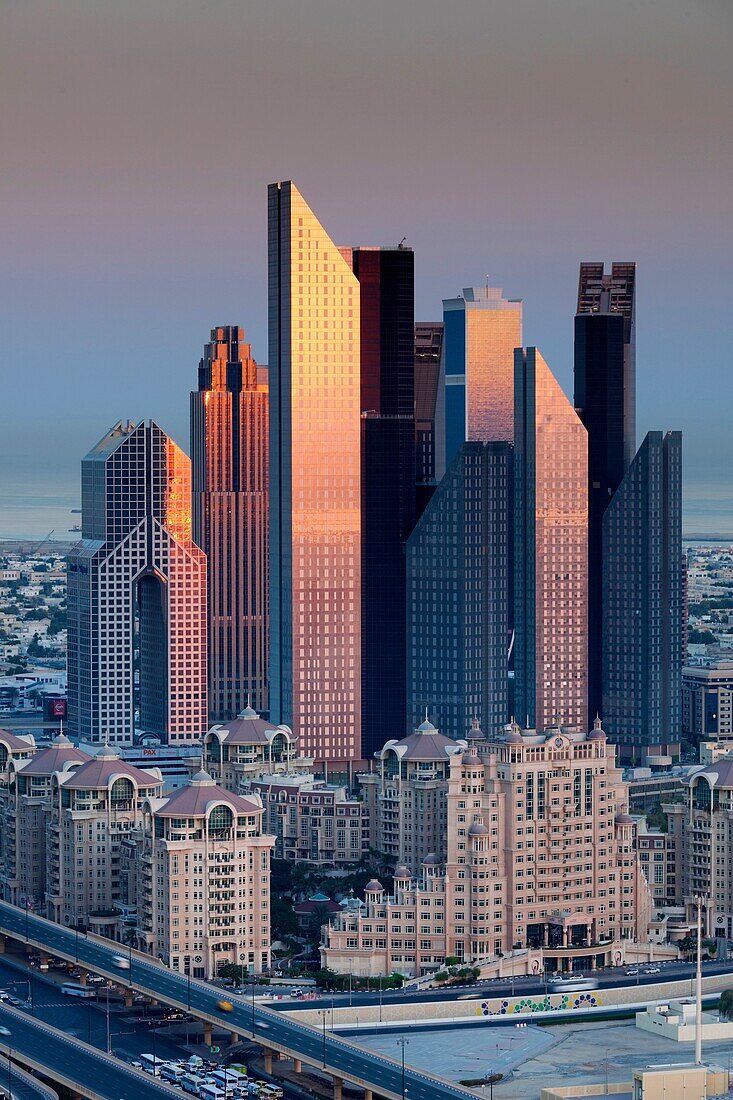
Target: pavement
342, 1058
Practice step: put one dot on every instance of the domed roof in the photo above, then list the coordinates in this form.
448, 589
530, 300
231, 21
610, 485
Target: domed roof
431, 860
597, 733
478, 829
194, 799
426, 727
373, 884
475, 733
471, 758
426, 743
401, 872
719, 774
624, 819
248, 729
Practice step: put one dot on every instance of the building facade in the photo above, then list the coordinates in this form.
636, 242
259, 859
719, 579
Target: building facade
315, 482
481, 331
605, 399
405, 797
229, 458
250, 746
550, 550
541, 859
22, 851
203, 888
137, 580
429, 411
459, 576
387, 369
707, 701
643, 604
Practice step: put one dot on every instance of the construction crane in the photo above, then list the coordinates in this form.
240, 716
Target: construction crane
41, 543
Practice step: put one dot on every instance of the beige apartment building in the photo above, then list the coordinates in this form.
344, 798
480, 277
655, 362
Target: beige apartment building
249, 746
406, 796
203, 880
540, 860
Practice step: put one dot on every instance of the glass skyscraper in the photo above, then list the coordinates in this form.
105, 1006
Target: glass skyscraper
229, 454
315, 482
605, 397
481, 331
643, 621
136, 573
387, 369
550, 550
458, 586
429, 410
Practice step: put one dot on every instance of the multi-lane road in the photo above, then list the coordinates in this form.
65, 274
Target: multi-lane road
276, 1031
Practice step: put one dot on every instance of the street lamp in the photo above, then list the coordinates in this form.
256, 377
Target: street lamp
489, 1080
323, 1012
403, 1043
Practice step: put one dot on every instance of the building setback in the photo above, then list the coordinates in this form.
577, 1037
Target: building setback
136, 563
643, 604
550, 550
605, 399
229, 444
458, 594
315, 482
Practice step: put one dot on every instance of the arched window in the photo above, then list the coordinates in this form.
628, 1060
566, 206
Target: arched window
122, 792
221, 820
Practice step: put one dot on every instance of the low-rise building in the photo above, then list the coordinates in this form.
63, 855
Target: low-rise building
707, 700
312, 821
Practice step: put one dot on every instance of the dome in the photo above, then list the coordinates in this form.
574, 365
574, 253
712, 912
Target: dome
373, 884
597, 733
431, 860
515, 737
426, 727
401, 872
478, 829
475, 733
624, 819
248, 712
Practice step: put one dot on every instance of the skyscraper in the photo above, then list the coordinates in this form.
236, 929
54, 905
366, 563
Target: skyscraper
315, 482
429, 410
550, 550
386, 282
458, 585
229, 446
136, 575
482, 329
605, 398
642, 603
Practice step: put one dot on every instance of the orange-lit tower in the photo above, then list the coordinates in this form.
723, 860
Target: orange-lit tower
229, 447
315, 482
550, 550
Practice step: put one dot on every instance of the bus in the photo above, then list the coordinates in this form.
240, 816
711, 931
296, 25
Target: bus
151, 1064
73, 990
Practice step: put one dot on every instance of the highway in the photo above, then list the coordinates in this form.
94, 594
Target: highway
22, 1085
276, 1031
72, 1063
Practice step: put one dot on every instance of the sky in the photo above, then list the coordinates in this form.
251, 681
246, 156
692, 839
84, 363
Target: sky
508, 139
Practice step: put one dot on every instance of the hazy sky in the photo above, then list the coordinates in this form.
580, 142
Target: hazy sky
508, 138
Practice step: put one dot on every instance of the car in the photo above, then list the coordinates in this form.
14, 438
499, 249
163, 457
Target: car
14, 1001
262, 1024
652, 970
632, 970
5, 1031
121, 962
225, 1006
4, 995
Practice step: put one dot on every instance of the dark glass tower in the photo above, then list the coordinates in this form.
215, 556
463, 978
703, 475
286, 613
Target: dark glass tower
605, 397
229, 448
643, 597
386, 282
458, 591
429, 411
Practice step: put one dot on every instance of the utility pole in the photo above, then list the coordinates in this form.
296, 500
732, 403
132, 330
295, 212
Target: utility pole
698, 984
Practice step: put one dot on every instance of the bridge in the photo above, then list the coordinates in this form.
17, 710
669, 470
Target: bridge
277, 1033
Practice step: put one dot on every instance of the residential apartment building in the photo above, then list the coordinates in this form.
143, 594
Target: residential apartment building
707, 700
312, 821
203, 885
405, 796
658, 858
541, 857
249, 746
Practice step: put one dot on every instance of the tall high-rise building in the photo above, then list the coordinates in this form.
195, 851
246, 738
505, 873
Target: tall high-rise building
458, 591
137, 580
605, 398
386, 282
315, 482
642, 603
229, 445
550, 550
481, 331
429, 411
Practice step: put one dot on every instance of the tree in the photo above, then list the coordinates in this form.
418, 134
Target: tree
657, 819
725, 1005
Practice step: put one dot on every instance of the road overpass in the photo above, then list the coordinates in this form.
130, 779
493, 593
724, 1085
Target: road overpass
275, 1032
83, 1069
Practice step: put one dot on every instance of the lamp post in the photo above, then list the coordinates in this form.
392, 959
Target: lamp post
403, 1043
323, 1012
699, 902
109, 1040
